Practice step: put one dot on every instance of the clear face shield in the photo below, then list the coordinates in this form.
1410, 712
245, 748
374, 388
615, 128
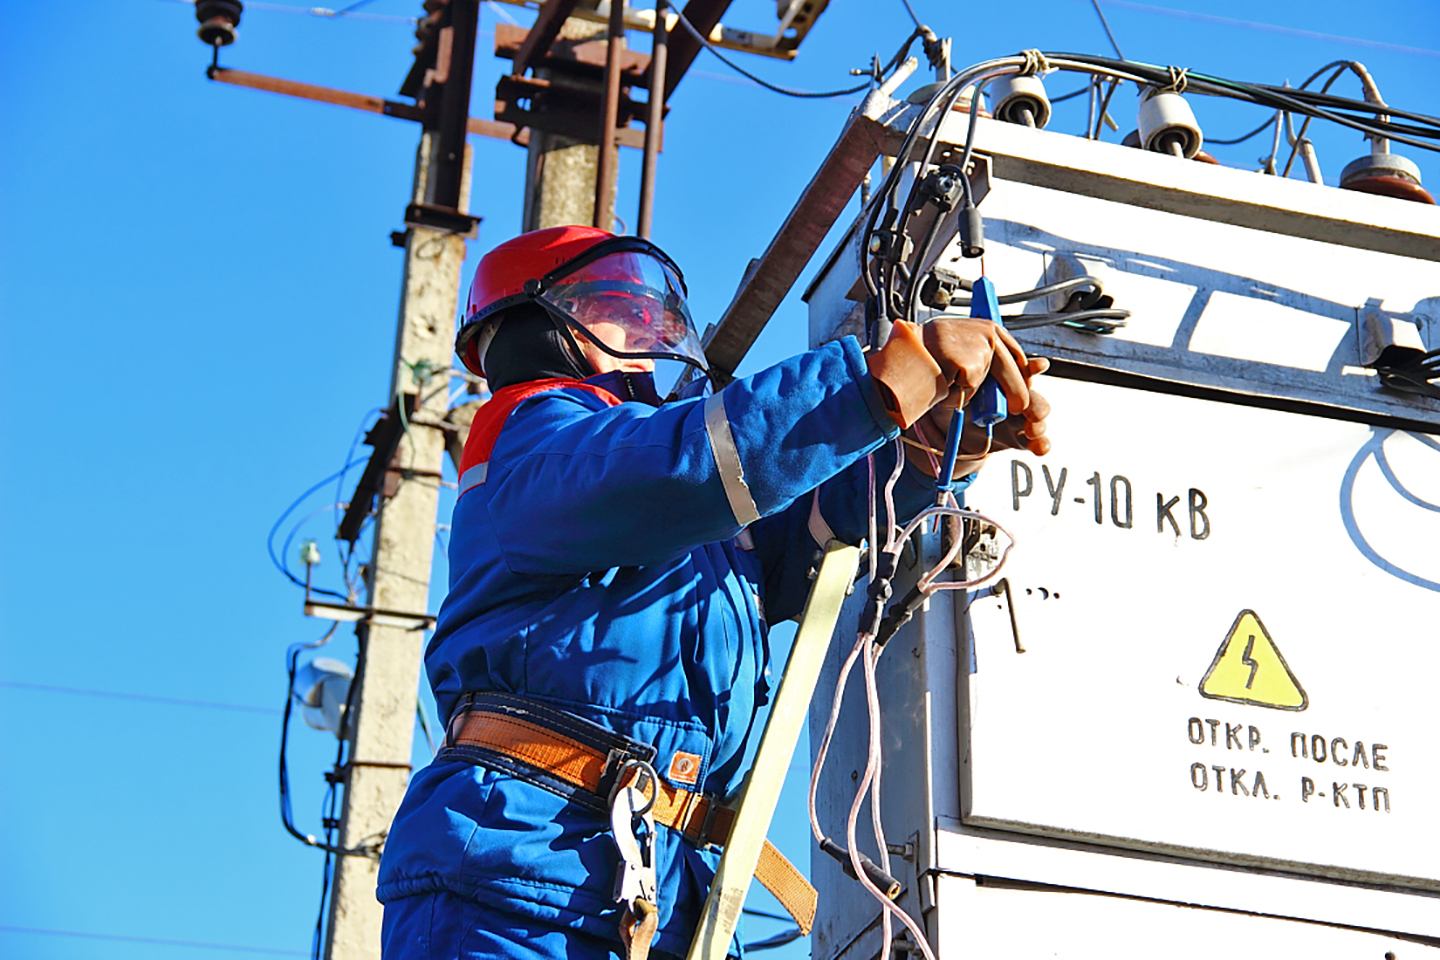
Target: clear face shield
630, 305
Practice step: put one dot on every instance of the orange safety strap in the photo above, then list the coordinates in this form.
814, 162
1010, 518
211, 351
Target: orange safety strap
583, 766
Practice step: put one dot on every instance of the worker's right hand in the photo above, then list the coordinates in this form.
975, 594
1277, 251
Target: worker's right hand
947, 360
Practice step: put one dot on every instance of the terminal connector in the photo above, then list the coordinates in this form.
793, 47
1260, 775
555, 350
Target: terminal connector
887, 884
972, 232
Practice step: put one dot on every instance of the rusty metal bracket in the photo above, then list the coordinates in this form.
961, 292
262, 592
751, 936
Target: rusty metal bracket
384, 440
548, 21
770, 278
569, 54
357, 101
442, 218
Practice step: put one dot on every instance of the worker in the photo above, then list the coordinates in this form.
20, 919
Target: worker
615, 563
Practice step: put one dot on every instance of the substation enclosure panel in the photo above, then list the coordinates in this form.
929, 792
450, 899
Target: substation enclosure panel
1231, 614
1226, 582
1214, 664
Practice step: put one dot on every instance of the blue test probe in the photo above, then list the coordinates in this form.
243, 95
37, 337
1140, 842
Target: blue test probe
987, 407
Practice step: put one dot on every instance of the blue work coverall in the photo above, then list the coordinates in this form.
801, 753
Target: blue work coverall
601, 567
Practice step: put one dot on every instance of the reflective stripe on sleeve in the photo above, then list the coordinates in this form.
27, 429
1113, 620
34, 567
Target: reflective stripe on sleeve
819, 529
474, 476
727, 461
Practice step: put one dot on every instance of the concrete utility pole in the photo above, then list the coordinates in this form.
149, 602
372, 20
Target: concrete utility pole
381, 722
561, 172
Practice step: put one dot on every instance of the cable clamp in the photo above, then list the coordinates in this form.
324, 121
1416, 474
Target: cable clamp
1177, 80
1035, 64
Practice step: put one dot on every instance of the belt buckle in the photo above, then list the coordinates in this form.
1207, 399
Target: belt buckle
712, 810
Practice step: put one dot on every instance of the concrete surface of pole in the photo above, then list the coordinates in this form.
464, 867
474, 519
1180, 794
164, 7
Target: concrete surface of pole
382, 724
381, 721
560, 172
605, 179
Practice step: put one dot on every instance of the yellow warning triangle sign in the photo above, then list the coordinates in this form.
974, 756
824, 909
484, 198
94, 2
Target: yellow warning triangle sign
1248, 668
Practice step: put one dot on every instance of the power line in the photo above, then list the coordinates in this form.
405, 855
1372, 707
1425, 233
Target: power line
324, 13
1242, 138
1270, 28
694, 32
144, 697
238, 948
1106, 24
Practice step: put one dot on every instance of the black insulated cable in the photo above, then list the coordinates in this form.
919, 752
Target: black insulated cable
885, 71
1091, 321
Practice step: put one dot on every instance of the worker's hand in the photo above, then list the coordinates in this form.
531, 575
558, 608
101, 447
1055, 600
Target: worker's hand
946, 361
1019, 431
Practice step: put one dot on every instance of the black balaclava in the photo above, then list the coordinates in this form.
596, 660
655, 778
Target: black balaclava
528, 346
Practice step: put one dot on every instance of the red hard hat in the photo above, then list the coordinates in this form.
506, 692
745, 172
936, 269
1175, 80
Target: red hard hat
502, 273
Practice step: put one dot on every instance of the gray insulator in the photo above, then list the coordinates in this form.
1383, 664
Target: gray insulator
1011, 96
1380, 165
1166, 120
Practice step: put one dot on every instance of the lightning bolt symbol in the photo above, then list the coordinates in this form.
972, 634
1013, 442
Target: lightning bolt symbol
1250, 661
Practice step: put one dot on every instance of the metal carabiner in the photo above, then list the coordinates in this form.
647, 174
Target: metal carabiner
632, 823
635, 877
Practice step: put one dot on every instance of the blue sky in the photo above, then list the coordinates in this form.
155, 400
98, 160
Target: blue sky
197, 309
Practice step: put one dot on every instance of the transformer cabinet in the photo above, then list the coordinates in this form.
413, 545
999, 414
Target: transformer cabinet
1220, 739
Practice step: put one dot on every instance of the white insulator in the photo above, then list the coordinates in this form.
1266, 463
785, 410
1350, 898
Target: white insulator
1013, 95
1380, 164
1167, 120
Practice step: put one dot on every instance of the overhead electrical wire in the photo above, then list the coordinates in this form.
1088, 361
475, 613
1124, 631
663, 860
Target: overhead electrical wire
287, 816
1339, 68
1239, 139
895, 62
1072, 94
1106, 25
1303, 102
157, 941
323, 13
1271, 28
139, 697
270, 539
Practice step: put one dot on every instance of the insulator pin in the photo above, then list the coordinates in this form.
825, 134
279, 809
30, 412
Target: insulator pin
1014, 96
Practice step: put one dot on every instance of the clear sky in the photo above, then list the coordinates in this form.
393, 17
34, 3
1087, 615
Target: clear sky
197, 309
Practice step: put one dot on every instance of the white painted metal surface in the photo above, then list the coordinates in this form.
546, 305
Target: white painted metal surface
1158, 527
1007, 856
1213, 305
1025, 923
